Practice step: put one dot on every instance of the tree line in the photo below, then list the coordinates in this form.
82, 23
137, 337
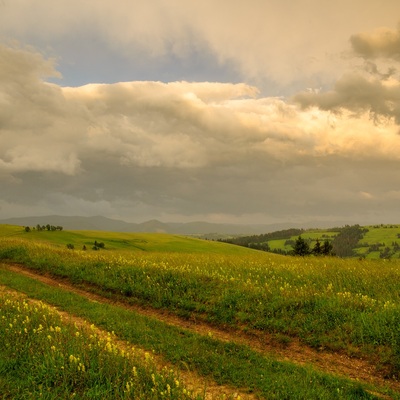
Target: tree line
260, 241
47, 227
342, 244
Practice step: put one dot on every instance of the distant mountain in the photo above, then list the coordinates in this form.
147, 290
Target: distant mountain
99, 223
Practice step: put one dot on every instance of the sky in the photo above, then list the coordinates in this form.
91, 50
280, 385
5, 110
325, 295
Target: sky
228, 111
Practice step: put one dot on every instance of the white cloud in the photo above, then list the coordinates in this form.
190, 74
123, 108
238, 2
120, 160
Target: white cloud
183, 124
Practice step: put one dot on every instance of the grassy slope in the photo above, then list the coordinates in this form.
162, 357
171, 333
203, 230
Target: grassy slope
159, 242
385, 235
152, 242
226, 363
170, 243
313, 234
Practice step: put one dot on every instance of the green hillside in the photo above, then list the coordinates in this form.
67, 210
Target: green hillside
347, 308
372, 242
137, 242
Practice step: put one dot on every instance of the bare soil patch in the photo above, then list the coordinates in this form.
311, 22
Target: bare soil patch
334, 363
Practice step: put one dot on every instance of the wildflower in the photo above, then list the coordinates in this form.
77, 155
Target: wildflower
73, 359
81, 367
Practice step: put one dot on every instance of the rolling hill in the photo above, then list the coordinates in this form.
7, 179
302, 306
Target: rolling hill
189, 228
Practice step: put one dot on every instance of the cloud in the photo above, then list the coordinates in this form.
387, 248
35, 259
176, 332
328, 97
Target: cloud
359, 94
279, 44
366, 89
141, 150
382, 42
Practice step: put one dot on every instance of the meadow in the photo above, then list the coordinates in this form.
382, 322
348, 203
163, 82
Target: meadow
44, 349
347, 307
381, 241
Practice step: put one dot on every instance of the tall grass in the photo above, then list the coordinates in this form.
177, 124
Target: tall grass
226, 363
342, 305
43, 356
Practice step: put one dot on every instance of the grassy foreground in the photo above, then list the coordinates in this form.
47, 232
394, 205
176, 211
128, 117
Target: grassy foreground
343, 305
43, 356
55, 359
350, 306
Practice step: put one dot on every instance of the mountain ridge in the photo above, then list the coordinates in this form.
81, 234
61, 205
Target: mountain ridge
102, 223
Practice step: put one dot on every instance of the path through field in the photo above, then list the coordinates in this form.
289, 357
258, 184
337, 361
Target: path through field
294, 351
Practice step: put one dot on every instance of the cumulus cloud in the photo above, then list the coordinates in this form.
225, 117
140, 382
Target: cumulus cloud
142, 150
359, 94
367, 89
382, 42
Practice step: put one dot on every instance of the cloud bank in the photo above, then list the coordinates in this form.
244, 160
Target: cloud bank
279, 45
181, 150
258, 111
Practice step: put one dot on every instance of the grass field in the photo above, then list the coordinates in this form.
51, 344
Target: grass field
130, 242
383, 236
45, 349
348, 306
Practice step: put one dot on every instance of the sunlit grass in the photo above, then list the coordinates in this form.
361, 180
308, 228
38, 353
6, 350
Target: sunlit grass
226, 363
44, 356
341, 305
127, 242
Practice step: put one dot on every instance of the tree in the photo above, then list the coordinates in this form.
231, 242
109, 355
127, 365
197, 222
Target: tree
317, 249
98, 245
301, 247
327, 248
27, 229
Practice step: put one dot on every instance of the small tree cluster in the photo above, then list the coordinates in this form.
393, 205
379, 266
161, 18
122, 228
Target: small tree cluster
47, 227
302, 248
98, 245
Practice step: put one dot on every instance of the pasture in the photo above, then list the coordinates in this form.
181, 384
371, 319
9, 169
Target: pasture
381, 241
345, 307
